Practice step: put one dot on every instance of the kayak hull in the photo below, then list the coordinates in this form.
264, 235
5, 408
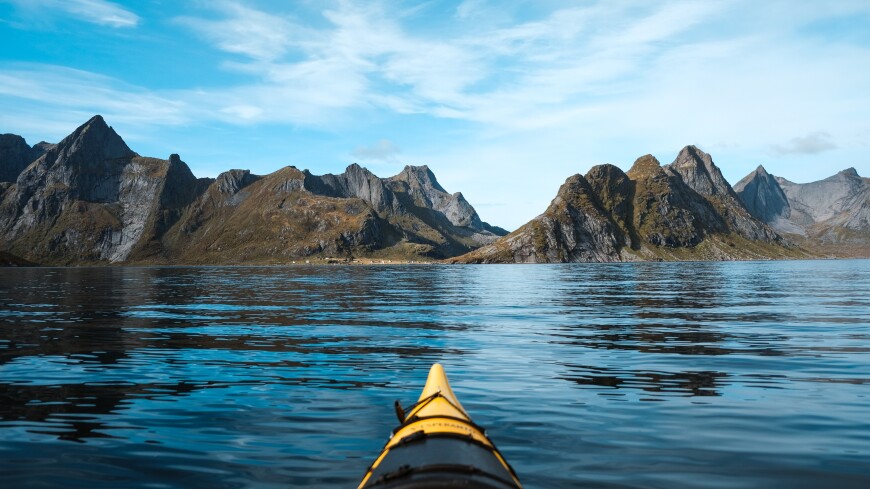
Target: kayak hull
438, 446
441, 461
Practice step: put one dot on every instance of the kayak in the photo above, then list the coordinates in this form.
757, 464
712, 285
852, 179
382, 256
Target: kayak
438, 446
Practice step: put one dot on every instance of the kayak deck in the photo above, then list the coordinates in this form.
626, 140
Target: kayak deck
437, 445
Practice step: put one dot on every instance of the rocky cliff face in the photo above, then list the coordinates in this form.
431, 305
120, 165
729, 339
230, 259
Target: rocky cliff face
762, 196
417, 189
90, 199
574, 228
295, 214
423, 190
685, 210
828, 214
413, 194
16, 154
699, 173
244, 218
839, 198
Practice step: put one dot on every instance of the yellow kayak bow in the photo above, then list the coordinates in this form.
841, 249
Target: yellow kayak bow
438, 446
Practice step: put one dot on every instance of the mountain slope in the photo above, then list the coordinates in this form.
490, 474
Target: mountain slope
574, 227
243, 218
16, 154
685, 210
830, 215
293, 214
91, 199
698, 172
762, 196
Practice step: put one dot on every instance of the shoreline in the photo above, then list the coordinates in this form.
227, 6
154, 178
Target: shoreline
330, 262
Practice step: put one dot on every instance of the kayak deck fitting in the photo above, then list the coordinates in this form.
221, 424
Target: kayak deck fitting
438, 446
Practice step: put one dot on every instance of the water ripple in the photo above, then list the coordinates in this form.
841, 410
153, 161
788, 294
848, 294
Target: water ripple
598, 375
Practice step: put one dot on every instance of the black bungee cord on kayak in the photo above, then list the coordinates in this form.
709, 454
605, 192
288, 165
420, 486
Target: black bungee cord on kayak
437, 446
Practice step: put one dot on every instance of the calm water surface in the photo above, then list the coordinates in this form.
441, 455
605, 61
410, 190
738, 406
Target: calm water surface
675, 375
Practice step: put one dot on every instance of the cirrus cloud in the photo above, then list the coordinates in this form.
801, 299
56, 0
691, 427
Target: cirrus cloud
101, 12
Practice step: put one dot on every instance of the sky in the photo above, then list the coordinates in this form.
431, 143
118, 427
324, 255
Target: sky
503, 100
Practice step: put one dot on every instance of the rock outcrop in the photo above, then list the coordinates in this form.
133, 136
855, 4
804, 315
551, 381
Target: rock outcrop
832, 215
295, 213
16, 154
423, 189
414, 194
91, 199
685, 210
574, 228
698, 172
762, 196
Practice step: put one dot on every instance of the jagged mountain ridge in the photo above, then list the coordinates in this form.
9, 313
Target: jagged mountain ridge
91, 199
684, 210
828, 213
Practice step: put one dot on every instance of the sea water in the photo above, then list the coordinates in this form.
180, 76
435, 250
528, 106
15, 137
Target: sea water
645, 375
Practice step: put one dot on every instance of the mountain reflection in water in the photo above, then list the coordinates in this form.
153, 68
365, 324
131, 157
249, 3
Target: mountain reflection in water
285, 377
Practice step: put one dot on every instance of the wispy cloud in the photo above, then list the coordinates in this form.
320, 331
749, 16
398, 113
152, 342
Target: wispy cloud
470, 9
101, 12
242, 30
382, 151
813, 143
69, 91
504, 84
521, 75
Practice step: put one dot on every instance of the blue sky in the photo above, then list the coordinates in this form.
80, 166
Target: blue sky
503, 100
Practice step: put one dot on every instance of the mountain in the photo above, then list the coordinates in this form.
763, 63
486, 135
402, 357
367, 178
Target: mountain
763, 197
16, 154
91, 199
698, 172
573, 228
684, 210
830, 215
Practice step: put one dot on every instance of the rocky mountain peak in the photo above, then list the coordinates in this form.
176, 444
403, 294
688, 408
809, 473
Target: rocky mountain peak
833, 212
93, 141
849, 172
12, 141
615, 192
762, 196
15, 155
698, 171
574, 228
644, 167
419, 176
760, 171
231, 181
691, 155
43, 146
356, 168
